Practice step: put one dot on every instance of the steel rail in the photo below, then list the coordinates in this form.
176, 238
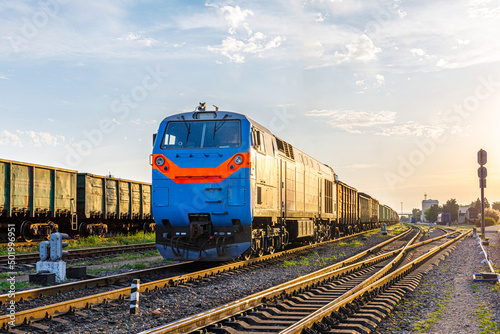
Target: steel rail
81, 253
87, 283
204, 319
335, 305
25, 317
109, 280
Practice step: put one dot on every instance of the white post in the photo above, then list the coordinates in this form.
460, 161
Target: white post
134, 296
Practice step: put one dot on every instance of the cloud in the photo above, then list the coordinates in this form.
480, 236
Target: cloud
235, 49
137, 39
8, 138
380, 80
235, 17
415, 129
352, 120
379, 123
30, 138
362, 49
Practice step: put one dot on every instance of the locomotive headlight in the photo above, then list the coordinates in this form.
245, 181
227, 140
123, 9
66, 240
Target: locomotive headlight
238, 160
160, 161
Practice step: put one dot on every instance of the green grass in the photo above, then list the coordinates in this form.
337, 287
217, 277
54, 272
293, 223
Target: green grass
119, 257
4, 250
313, 259
487, 326
115, 240
5, 285
91, 242
353, 243
135, 266
9, 274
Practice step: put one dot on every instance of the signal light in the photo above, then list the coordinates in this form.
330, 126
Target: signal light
56, 246
44, 250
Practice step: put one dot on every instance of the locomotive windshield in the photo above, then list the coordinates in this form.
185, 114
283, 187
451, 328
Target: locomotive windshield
202, 134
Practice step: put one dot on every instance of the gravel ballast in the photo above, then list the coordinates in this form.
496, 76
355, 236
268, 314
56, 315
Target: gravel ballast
448, 300
167, 305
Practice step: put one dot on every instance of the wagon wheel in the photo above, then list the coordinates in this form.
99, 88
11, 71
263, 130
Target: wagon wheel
25, 231
82, 230
246, 256
271, 250
53, 228
259, 252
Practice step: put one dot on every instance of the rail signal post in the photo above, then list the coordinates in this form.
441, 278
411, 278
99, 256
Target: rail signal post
482, 173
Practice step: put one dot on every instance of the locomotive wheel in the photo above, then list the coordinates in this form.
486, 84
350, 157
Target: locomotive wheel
25, 231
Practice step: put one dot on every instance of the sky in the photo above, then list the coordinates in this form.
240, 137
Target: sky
396, 96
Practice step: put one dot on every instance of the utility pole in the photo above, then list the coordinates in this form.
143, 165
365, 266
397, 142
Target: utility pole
482, 173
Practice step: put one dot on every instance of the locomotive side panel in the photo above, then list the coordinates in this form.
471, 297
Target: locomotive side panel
264, 175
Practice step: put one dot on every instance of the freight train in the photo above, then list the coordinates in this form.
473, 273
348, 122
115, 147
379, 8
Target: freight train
39, 200
225, 187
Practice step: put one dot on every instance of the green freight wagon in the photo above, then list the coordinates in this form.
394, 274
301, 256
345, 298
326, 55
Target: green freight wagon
37, 200
111, 204
365, 210
369, 207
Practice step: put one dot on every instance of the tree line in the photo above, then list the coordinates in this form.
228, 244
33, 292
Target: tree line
451, 207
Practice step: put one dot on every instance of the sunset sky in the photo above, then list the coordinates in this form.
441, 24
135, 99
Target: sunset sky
396, 96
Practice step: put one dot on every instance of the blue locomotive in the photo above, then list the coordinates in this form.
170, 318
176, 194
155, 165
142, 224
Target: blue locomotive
223, 187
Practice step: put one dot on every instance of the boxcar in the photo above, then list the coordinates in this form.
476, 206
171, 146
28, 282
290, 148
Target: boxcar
111, 204
37, 199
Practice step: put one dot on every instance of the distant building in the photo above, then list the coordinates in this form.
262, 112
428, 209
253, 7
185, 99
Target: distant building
462, 211
426, 204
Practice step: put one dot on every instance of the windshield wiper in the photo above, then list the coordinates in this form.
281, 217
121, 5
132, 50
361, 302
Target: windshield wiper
217, 128
188, 127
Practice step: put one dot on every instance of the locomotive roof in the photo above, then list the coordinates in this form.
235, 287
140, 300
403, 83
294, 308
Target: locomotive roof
220, 114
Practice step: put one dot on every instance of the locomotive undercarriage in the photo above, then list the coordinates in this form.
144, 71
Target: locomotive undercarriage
202, 240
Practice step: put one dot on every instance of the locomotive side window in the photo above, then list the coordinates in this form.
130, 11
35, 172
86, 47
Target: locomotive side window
258, 140
202, 134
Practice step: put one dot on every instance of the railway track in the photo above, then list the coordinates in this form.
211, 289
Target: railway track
32, 316
347, 299
75, 254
